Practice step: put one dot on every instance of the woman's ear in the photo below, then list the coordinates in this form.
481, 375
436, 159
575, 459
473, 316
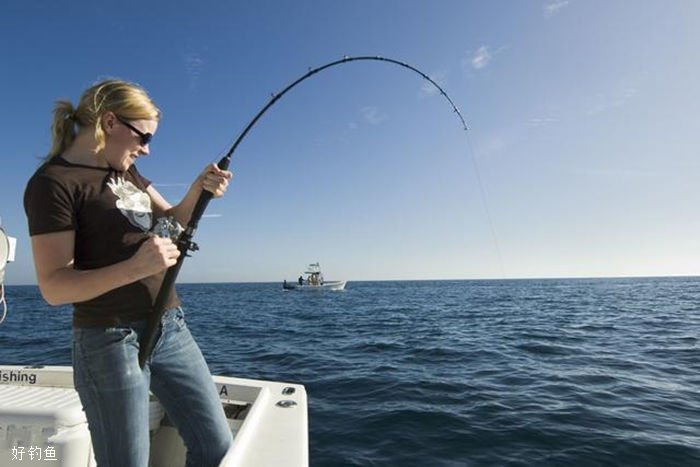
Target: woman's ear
108, 121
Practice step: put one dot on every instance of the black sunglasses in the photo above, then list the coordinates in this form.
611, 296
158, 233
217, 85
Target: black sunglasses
145, 137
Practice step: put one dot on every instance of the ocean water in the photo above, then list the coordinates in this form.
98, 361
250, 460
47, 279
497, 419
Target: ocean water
450, 373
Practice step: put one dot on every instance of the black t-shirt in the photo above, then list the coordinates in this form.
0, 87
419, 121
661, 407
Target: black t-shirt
110, 213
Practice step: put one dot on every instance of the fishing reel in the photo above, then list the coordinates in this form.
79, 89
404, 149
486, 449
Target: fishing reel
168, 227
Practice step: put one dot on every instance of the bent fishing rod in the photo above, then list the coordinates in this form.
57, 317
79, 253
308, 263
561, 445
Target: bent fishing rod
184, 241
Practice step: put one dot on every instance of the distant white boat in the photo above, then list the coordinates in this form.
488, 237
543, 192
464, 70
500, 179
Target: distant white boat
314, 281
332, 285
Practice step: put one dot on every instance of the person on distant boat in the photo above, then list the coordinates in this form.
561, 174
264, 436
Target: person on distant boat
89, 212
301, 280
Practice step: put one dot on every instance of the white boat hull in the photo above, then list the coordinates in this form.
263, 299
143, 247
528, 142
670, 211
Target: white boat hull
327, 285
40, 408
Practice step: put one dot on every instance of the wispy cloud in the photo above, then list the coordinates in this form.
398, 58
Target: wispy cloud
169, 185
491, 145
554, 7
542, 121
626, 173
481, 58
548, 117
427, 89
373, 115
602, 102
193, 67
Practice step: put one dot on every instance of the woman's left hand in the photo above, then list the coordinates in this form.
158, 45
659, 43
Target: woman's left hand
215, 180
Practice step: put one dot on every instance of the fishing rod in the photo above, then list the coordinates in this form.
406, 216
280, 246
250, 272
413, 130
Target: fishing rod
184, 242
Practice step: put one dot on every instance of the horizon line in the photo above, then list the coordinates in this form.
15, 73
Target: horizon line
494, 279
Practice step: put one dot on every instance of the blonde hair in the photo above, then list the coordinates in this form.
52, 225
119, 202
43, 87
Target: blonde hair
127, 100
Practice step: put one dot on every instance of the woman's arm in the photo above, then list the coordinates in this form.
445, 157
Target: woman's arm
60, 283
211, 179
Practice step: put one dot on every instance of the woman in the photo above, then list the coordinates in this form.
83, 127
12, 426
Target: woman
90, 215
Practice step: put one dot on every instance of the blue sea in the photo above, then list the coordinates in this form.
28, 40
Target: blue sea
573, 372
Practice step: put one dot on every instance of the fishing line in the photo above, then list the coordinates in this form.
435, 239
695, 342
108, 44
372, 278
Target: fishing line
184, 241
482, 192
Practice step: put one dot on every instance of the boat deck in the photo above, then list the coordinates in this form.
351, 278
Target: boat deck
39, 408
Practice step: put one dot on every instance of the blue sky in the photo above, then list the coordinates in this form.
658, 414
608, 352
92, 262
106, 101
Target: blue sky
584, 127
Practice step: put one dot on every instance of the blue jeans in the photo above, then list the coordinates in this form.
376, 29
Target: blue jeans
114, 392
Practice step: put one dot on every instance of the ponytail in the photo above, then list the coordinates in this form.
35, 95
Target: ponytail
125, 99
62, 128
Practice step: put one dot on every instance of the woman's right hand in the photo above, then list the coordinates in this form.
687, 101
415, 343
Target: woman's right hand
155, 255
